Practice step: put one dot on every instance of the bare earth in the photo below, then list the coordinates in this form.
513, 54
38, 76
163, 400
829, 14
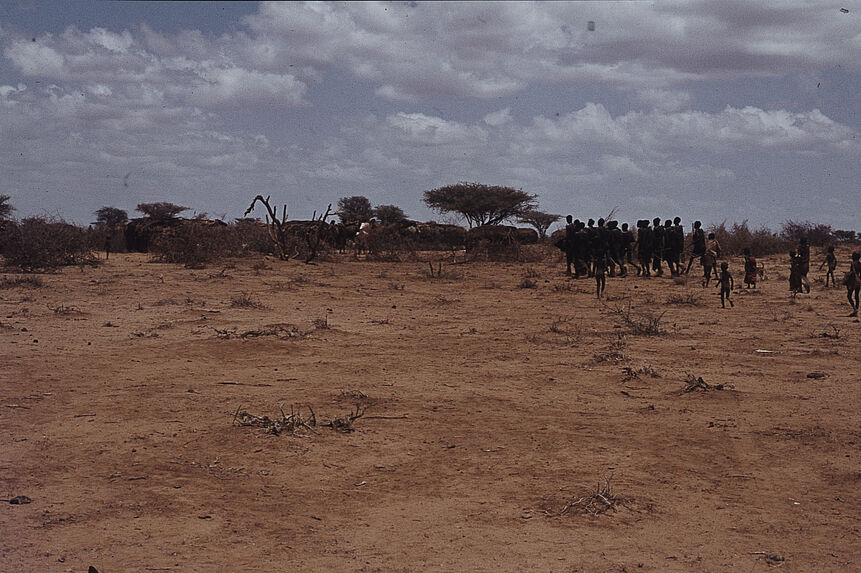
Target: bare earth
491, 410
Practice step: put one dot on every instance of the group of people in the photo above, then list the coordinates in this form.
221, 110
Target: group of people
598, 248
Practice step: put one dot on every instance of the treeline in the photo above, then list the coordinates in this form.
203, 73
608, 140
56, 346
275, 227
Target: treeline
44, 243
763, 241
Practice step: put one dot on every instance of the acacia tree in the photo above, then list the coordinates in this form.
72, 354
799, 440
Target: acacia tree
111, 216
540, 220
161, 210
480, 204
388, 214
5, 208
354, 209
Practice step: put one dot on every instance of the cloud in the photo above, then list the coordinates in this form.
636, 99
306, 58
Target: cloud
497, 118
236, 86
489, 49
420, 129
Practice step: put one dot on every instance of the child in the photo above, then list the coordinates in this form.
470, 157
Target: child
750, 270
853, 282
726, 285
713, 247
794, 273
831, 261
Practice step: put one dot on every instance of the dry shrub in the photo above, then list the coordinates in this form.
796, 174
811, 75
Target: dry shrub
527, 283
642, 322
689, 299
253, 237
245, 300
597, 501
441, 272
818, 235
387, 243
195, 244
762, 241
615, 352
39, 243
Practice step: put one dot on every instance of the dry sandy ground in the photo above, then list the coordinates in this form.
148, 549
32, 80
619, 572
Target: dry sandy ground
490, 408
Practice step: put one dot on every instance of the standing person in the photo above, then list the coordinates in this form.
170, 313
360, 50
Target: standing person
591, 235
750, 270
669, 246
853, 282
600, 248
831, 261
581, 253
658, 239
645, 242
713, 247
600, 261
628, 247
794, 273
699, 244
570, 242
679, 245
804, 266
726, 285
615, 239
709, 259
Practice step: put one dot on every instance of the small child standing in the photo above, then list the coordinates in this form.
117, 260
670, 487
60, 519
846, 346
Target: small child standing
750, 270
726, 285
794, 273
831, 261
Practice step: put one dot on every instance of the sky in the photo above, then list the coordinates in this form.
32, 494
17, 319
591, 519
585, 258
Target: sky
730, 110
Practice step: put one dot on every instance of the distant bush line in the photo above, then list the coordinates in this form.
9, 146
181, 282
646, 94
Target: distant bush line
36, 244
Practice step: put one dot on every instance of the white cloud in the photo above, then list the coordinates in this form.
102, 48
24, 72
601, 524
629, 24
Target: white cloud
420, 129
497, 118
235, 86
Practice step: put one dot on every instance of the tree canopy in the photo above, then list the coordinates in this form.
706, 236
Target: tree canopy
5, 208
388, 214
111, 216
354, 209
540, 220
161, 210
480, 204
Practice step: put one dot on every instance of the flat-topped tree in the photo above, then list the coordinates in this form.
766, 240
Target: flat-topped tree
539, 220
161, 210
480, 204
111, 216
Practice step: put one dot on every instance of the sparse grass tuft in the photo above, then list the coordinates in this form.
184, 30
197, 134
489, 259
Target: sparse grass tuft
684, 299
615, 352
245, 300
643, 322
22, 282
527, 283
596, 501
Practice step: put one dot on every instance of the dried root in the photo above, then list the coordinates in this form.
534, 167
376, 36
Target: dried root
697, 383
345, 423
293, 423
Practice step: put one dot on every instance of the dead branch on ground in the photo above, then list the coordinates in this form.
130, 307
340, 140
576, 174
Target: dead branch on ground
294, 423
596, 502
697, 383
345, 423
